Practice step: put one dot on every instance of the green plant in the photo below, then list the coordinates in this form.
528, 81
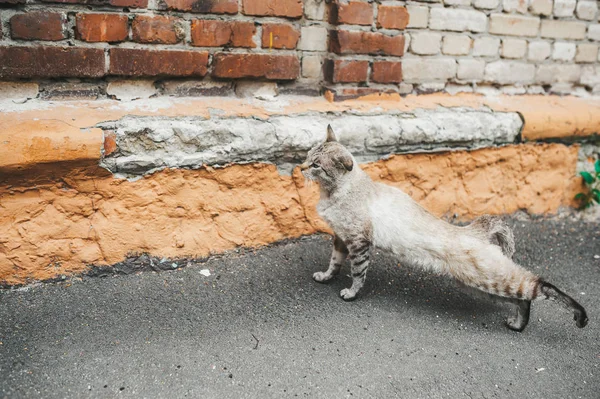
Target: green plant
592, 183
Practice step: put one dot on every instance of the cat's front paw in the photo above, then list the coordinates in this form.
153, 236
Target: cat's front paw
347, 294
322, 277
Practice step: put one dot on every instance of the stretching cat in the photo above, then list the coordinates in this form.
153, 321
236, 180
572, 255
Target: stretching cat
365, 214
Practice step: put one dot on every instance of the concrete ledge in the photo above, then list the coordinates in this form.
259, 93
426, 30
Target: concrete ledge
44, 132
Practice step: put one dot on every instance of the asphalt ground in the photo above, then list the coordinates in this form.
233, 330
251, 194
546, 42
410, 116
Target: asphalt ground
259, 327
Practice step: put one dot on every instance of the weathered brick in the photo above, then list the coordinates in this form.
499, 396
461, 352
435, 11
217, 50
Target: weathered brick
563, 51
273, 8
557, 73
456, 44
352, 13
564, 8
514, 25
457, 2
352, 42
51, 62
541, 7
470, 70
314, 9
386, 72
539, 51
514, 48
346, 71
114, 3
157, 29
586, 52
457, 20
486, 46
426, 70
102, 27
486, 4
201, 6
312, 66
419, 16
274, 67
594, 32
313, 38
425, 43
509, 72
587, 9
590, 75
562, 29
519, 6
392, 17
217, 33
139, 62
38, 26
279, 36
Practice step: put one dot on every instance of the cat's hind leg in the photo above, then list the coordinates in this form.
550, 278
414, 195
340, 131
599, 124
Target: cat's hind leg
359, 249
338, 255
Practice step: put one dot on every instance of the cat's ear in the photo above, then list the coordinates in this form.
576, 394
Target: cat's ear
330, 135
346, 161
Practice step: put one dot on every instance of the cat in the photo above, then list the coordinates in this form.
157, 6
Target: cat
364, 214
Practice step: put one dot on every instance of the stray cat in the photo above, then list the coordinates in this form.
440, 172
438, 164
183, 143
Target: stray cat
364, 214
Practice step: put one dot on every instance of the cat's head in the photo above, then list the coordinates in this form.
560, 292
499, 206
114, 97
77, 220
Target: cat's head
326, 163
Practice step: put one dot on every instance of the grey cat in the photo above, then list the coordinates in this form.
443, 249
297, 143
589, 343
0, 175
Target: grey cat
364, 214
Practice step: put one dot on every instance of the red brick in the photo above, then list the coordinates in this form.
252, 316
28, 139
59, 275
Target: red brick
353, 13
102, 27
110, 142
138, 62
279, 36
346, 71
216, 33
275, 67
114, 3
157, 29
38, 26
51, 62
386, 72
273, 8
204, 6
347, 42
392, 17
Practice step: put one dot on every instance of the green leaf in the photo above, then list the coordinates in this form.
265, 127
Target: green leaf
579, 196
589, 179
597, 166
596, 195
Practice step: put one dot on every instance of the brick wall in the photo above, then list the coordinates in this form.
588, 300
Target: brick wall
87, 48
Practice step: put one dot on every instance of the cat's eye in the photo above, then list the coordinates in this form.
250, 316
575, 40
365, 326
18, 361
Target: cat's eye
314, 165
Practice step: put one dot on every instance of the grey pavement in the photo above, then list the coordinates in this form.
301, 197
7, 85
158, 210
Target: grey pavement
259, 327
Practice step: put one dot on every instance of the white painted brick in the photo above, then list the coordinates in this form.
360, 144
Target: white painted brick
425, 70
594, 32
519, 6
586, 52
419, 16
513, 91
562, 29
564, 8
487, 90
456, 44
514, 48
128, 90
587, 9
486, 46
470, 70
541, 7
431, 87
425, 43
18, 91
312, 66
407, 39
535, 90
539, 51
563, 51
313, 38
514, 25
561, 88
457, 2
509, 72
557, 73
590, 75
455, 89
314, 9
405, 88
486, 4
457, 20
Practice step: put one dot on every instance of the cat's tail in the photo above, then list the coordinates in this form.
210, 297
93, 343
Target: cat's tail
497, 232
546, 290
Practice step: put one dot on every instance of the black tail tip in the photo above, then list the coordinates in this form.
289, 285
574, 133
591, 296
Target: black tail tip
581, 318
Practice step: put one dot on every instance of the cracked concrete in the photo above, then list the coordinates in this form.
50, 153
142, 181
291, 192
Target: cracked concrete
149, 143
